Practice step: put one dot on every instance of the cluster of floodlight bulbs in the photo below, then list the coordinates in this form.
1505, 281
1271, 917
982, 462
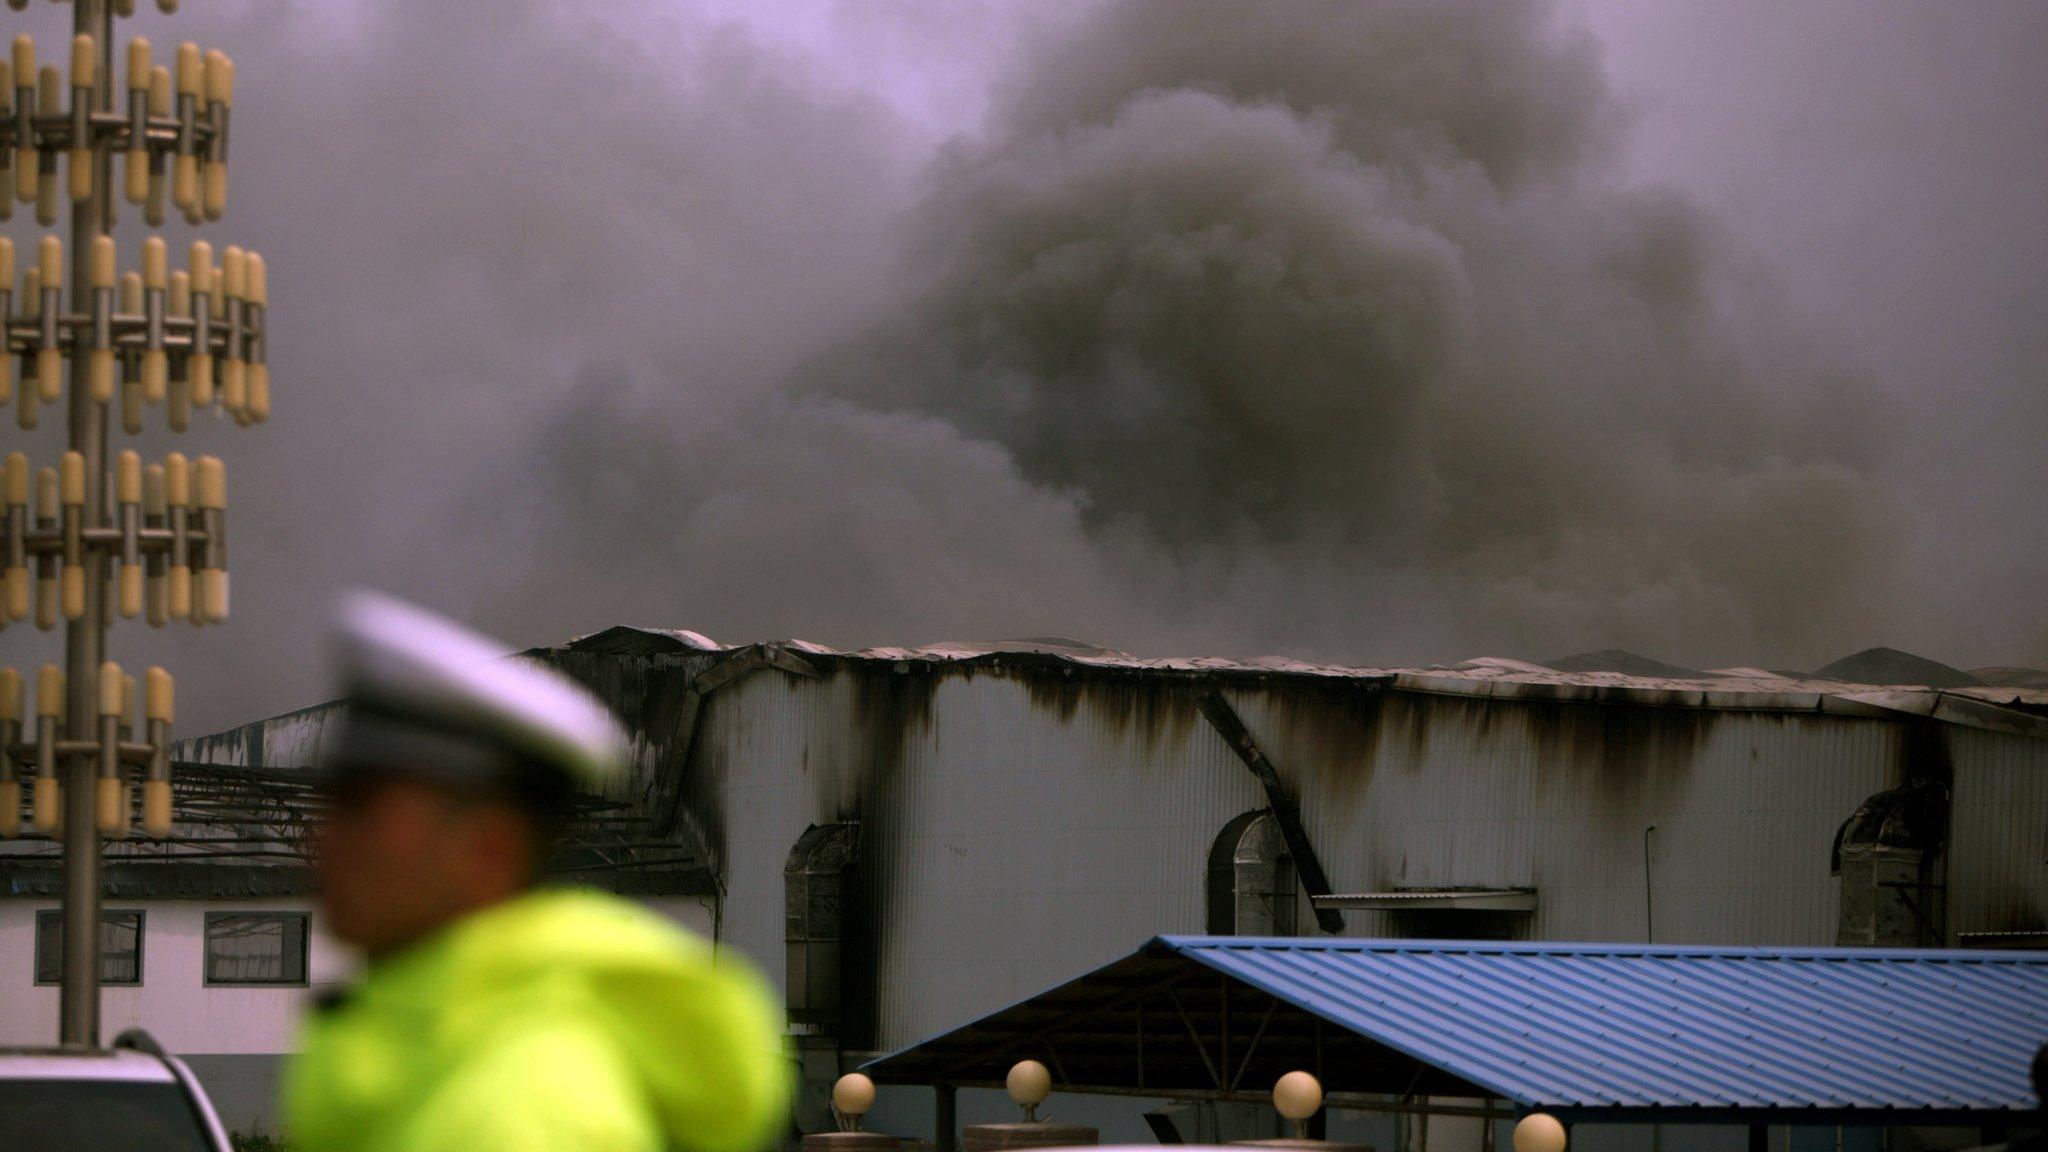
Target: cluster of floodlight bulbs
167, 546
174, 139
167, 328
188, 340
40, 749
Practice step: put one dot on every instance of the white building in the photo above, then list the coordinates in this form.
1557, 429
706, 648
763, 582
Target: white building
216, 979
905, 839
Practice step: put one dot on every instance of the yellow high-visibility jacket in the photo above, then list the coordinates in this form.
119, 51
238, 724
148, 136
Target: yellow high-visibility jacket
560, 1021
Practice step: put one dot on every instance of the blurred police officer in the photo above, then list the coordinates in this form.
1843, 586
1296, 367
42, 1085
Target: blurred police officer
495, 1013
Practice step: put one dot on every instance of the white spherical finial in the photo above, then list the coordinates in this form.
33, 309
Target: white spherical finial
853, 1095
1539, 1132
1298, 1095
1029, 1083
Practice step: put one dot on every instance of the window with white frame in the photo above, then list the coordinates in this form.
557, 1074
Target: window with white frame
120, 946
255, 947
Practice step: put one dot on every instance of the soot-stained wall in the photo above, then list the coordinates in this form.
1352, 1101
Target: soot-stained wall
1023, 821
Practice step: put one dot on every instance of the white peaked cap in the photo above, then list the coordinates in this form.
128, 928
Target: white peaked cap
406, 663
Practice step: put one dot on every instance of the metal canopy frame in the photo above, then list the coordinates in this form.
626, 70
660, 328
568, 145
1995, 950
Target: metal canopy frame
1161, 1023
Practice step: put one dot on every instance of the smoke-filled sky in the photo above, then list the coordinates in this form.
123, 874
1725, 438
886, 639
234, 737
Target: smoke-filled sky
1397, 332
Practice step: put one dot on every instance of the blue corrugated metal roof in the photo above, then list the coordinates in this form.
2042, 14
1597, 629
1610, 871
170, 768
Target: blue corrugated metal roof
1573, 1027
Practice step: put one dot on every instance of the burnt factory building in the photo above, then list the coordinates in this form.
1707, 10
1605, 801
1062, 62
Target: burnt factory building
907, 839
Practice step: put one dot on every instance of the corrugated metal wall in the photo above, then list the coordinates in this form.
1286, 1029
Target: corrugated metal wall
1012, 840
292, 740
1453, 791
1022, 826
1998, 833
1032, 835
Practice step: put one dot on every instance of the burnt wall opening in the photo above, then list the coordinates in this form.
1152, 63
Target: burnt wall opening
1891, 853
1250, 887
828, 938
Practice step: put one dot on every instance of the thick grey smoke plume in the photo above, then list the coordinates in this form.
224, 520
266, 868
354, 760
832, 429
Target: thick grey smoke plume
1328, 329
1351, 291
1334, 325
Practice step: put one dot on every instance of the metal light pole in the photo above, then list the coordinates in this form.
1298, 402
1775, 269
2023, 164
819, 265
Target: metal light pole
105, 535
